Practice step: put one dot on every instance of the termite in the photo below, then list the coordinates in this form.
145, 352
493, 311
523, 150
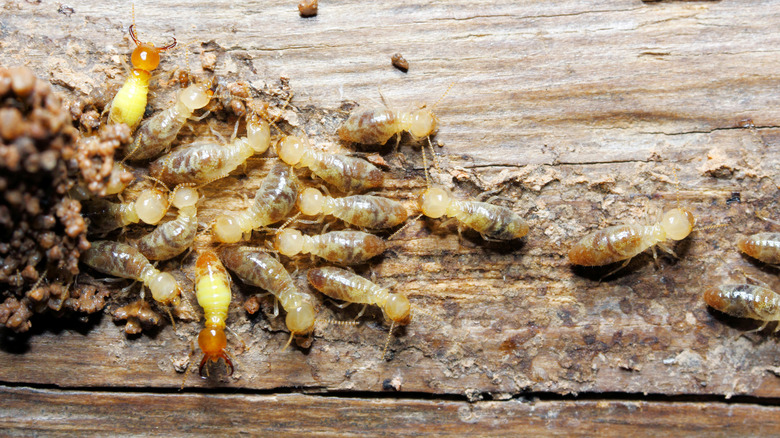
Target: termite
206, 161
347, 174
762, 246
212, 289
176, 236
121, 176
746, 301
156, 134
122, 260
378, 125
341, 247
273, 201
365, 211
258, 268
104, 216
491, 221
623, 242
344, 285
129, 103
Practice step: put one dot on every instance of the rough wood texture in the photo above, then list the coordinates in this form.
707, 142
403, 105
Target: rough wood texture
581, 112
74, 412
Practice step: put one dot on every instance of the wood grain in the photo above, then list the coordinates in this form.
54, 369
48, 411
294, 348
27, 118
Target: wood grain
585, 114
54, 412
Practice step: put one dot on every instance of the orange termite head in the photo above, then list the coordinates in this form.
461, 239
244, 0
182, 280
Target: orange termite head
213, 342
714, 299
146, 56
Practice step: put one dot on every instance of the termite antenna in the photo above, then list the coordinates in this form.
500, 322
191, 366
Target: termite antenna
445, 93
387, 341
170, 315
761, 216
189, 361
338, 322
426, 313
287, 222
243, 344
425, 167
677, 186
405, 226
433, 155
157, 181
710, 227
289, 341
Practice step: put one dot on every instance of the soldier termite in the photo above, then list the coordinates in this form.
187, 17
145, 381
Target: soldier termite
365, 211
273, 201
212, 289
205, 161
122, 260
156, 134
258, 268
347, 286
347, 174
176, 236
129, 103
104, 216
341, 247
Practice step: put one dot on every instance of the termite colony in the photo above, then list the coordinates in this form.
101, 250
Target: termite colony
180, 214
310, 210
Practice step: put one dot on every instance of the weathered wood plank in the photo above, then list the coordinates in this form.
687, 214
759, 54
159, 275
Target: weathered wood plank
580, 112
54, 412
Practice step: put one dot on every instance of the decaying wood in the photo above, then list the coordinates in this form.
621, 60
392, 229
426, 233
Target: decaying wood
586, 115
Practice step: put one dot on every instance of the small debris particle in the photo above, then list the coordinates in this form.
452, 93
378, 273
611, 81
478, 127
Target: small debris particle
66, 10
400, 62
208, 61
307, 8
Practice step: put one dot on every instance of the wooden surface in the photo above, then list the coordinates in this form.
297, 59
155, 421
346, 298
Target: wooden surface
580, 112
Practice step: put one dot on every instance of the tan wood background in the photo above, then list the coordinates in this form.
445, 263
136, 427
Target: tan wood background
585, 114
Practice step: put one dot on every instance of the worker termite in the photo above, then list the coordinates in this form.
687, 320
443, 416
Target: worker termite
344, 285
122, 260
378, 125
762, 246
206, 161
156, 134
121, 175
623, 242
347, 174
273, 201
746, 301
365, 211
104, 216
342, 247
173, 237
492, 221
129, 103
258, 268
212, 289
